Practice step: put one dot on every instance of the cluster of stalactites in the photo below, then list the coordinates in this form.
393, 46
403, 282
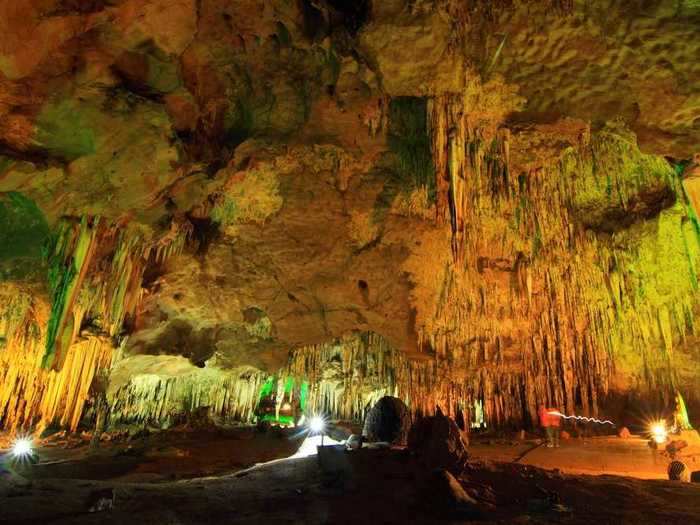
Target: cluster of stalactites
345, 378
163, 401
31, 395
348, 376
51, 357
95, 272
471, 165
553, 306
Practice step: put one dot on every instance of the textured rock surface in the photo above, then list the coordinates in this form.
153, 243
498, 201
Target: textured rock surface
438, 442
452, 204
388, 420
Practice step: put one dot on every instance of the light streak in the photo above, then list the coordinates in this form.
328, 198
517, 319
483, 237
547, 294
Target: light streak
582, 418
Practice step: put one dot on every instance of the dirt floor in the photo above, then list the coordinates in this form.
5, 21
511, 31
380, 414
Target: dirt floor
164, 456
596, 455
195, 477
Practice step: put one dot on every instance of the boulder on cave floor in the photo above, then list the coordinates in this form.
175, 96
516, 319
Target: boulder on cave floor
388, 420
438, 442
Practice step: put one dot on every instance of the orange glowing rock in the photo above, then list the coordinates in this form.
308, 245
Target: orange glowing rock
624, 433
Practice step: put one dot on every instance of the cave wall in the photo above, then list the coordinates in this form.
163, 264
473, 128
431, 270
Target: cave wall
486, 200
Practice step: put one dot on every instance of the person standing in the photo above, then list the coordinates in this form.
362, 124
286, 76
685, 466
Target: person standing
544, 423
554, 425
550, 422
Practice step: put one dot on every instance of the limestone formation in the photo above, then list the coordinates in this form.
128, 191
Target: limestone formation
474, 207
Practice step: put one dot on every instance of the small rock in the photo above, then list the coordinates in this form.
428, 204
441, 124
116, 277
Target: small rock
624, 433
675, 446
354, 442
678, 471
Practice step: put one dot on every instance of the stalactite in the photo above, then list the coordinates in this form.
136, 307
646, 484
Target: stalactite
51, 355
576, 303
165, 400
69, 260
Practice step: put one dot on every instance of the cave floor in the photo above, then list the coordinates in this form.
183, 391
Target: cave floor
149, 477
181, 453
597, 455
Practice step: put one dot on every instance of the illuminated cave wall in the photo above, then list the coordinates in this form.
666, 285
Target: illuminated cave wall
600, 248
407, 204
564, 281
55, 341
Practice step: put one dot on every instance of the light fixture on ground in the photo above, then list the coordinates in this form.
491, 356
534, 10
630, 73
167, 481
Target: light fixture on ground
658, 432
317, 425
22, 448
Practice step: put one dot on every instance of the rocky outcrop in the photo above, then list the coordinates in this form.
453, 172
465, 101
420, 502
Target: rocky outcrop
388, 420
438, 442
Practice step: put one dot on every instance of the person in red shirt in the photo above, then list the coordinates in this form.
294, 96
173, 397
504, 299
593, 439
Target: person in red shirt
551, 422
554, 425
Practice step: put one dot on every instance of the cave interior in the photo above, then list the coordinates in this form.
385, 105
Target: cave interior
415, 230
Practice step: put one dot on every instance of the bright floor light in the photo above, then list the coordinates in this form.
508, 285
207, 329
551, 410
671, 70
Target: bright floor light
659, 432
317, 424
310, 445
22, 448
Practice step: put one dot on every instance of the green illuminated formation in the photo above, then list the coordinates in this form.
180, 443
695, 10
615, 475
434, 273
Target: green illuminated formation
613, 183
681, 420
54, 351
69, 257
